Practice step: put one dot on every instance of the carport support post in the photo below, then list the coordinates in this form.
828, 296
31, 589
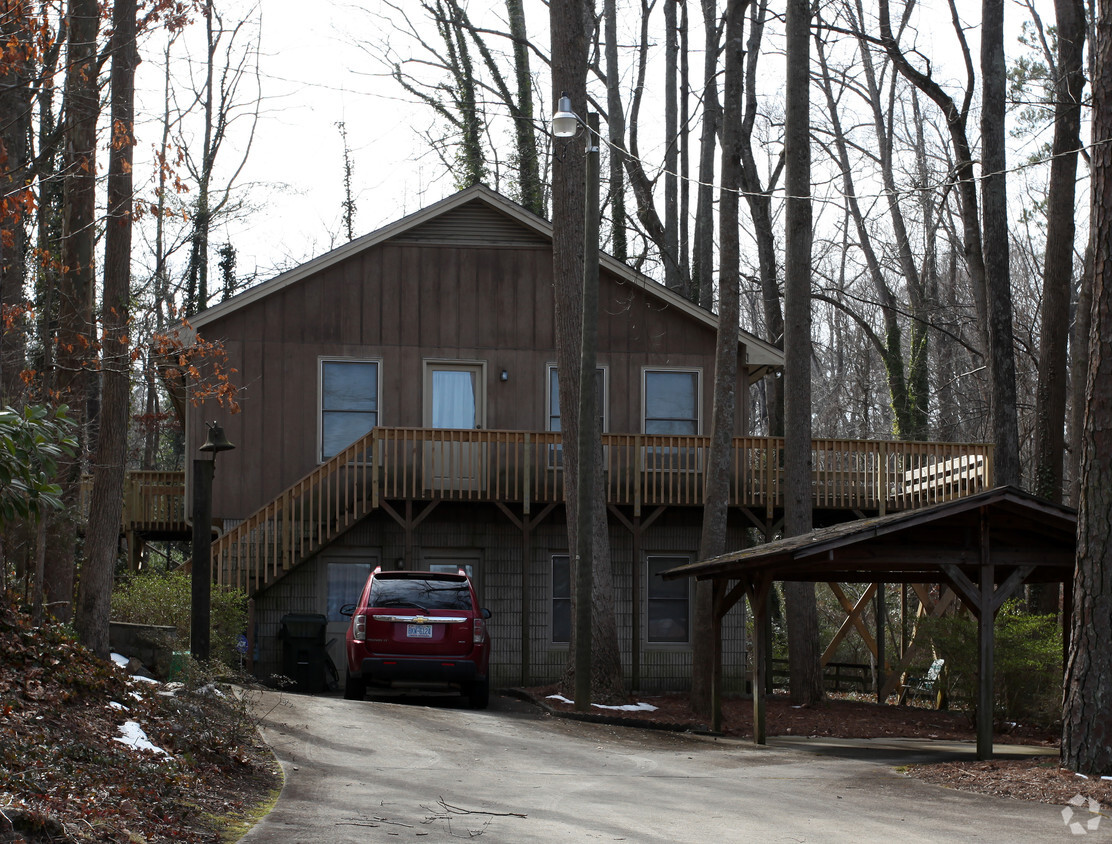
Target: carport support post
757, 592
985, 625
719, 593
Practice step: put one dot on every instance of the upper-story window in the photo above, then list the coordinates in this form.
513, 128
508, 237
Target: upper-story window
671, 402
348, 403
554, 398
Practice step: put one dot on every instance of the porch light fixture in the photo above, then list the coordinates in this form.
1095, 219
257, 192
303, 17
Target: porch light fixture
565, 124
201, 577
504, 376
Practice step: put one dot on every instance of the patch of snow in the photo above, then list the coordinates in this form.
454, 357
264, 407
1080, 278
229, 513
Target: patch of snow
1082, 776
116, 705
144, 679
133, 736
628, 707
121, 661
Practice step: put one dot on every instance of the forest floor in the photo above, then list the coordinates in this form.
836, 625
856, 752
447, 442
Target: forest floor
88, 753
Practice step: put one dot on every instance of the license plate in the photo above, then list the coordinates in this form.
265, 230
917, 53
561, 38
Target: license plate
418, 631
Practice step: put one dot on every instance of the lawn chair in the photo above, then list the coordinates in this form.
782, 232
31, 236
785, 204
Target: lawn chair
927, 686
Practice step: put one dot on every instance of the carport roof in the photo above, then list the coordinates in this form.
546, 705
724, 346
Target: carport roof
915, 546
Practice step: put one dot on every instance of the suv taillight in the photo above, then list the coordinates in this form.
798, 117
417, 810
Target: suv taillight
479, 631
359, 628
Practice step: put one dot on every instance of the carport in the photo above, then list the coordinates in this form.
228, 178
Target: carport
985, 547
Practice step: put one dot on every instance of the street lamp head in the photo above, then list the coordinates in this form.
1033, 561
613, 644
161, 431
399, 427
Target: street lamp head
565, 122
217, 440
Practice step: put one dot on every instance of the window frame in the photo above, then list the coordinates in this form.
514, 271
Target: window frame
553, 598
555, 456
322, 361
678, 559
694, 370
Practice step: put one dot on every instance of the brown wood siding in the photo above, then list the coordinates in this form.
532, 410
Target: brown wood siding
402, 303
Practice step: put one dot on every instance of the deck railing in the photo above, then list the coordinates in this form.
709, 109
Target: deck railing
154, 501
526, 467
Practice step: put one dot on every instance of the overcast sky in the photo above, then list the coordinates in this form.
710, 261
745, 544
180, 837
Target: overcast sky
320, 68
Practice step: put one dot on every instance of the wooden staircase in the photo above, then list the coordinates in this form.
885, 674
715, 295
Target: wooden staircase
307, 516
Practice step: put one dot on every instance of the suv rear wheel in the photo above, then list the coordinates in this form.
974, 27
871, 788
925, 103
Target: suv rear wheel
354, 689
478, 695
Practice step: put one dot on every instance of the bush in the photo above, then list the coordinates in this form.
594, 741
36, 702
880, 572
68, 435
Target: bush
1028, 663
165, 599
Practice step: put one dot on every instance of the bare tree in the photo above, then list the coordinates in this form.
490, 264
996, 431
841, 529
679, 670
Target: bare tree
802, 617
570, 24
219, 98
1069, 82
1087, 719
717, 484
110, 458
77, 281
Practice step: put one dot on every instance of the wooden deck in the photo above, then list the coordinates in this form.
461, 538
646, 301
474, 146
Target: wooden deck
525, 468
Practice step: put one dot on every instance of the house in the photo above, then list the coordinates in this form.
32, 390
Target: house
399, 408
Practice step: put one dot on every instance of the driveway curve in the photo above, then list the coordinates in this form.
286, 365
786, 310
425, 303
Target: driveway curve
377, 770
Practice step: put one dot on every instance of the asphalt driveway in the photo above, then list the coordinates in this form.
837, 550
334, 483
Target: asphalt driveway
432, 771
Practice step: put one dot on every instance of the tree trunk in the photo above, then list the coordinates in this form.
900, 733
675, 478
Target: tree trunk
1087, 717
702, 265
802, 615
1079, 369
615, 123
1050, 396
528, 167
102, 537
569, 21
758, 198
998, 287
672, 277
15, 134
77, 282
717, 489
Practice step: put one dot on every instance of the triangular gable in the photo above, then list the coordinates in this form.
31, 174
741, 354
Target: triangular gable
459, 218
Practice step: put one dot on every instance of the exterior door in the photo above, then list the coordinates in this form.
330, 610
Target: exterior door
345, 574
455, 402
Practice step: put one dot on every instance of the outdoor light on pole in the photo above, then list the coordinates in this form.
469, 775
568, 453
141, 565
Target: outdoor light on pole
201, 580
565, 124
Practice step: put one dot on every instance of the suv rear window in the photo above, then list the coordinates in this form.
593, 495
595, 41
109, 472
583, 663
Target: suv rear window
426, 593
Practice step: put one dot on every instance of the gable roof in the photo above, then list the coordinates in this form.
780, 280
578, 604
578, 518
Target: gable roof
914, 546
494, 220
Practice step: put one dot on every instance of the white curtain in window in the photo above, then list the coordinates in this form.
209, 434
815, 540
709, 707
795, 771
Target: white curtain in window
453, 398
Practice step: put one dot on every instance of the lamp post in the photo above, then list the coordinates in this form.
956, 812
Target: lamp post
565, 124
201, 580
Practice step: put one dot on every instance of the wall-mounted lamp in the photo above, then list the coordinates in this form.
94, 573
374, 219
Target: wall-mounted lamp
504, 376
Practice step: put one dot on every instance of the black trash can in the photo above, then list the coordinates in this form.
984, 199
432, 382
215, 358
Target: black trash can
303, 652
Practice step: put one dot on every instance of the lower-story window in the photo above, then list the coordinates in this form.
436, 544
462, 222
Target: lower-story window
345, 582
668, 610
561, 599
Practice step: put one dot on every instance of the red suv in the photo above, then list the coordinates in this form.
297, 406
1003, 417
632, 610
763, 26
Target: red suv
418, 627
